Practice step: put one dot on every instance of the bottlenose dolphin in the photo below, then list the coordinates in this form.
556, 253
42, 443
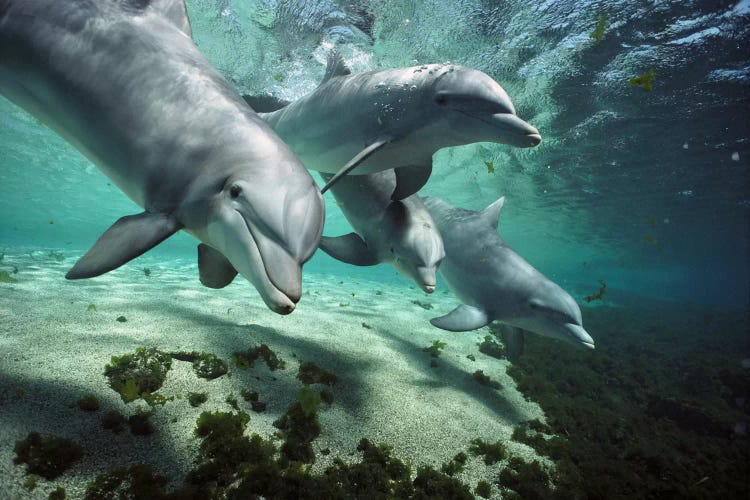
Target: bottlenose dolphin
495, 283
123, 82
401, 232
394, 118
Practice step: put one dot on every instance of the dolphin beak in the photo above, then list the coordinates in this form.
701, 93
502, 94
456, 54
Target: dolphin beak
578, 336
520, 133
426, 278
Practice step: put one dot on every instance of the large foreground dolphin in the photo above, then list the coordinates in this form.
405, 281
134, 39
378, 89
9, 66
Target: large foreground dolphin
123, 82
401, 233
394, 118
495, 283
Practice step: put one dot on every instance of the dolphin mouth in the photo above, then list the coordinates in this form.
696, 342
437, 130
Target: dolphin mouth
578, 336
277, 298
428, 288
534, 139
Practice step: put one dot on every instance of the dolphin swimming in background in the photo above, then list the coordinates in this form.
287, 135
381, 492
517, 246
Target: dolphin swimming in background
124, 83
401, 233
394, 118
495, 283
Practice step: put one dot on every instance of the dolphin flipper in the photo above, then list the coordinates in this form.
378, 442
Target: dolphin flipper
462, 319
513, 339
359, 158
409, 180
214, 269
350, 249
128, 238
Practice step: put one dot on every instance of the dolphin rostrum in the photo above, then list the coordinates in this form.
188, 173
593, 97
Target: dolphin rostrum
400, 116
401, 232
124, 83
495, 283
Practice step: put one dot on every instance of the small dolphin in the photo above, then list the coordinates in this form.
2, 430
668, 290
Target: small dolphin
124, 83
400, 116
495, 283
401, 233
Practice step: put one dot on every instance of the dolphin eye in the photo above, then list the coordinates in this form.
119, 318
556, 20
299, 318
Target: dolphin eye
441, 100
235, 191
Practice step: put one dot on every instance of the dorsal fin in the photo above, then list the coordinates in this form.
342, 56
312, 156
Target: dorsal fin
175, 11
336, 66
491, 214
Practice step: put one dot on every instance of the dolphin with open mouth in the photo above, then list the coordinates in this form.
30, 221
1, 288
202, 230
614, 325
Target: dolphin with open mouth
393, 118
123, 82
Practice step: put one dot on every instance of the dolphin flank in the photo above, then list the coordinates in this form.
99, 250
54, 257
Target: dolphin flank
124, 83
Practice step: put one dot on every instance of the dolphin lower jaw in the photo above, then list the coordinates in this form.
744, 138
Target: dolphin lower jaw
235, 239
509, 129
576, 335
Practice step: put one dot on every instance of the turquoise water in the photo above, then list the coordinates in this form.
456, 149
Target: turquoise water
648, 191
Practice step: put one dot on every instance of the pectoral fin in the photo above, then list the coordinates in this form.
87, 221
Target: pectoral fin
350, 249
128, 238
462, 319
361, 156
409, 180
513, 340
214, 269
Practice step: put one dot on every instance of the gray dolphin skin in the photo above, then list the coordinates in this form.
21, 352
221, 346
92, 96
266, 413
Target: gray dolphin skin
394, 118
401, 233
496, 284
123, 82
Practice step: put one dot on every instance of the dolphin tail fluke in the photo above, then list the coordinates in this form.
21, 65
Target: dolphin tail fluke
513, 338
409, 180
359, 158
215, 270
128, 238
462, 319
350, 249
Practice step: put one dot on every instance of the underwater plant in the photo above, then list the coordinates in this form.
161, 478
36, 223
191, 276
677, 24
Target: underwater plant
88, 403
46, 456
140, 424
57, 494
205, 364
30, 482
5, 277
147, 271
231, 400
59, 257
299, 426
436, 348
132, 375
493, 453
483, 379
601, 24
456, 464
113, 421
310, 373
91, 307
527, 480
245, 360
491, 348
483, 489
490, 167
598, 295
645, 81
197, 398
135, 481
122, 319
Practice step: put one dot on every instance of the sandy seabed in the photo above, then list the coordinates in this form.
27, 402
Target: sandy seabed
53, 351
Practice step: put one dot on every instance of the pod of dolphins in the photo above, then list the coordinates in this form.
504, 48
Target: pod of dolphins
123, 82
